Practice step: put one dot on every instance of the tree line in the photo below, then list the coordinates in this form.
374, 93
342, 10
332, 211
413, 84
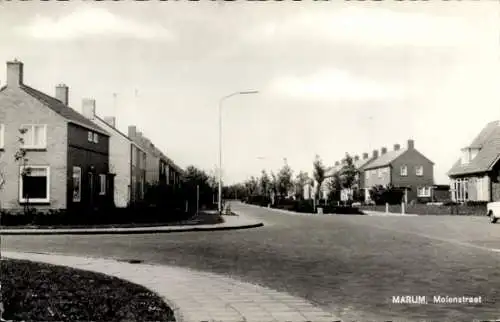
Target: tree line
283, 184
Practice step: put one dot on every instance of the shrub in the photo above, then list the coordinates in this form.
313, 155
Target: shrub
382, 195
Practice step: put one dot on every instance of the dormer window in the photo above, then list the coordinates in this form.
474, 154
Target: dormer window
468, 154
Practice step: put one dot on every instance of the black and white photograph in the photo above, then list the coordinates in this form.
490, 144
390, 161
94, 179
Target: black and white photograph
249, 161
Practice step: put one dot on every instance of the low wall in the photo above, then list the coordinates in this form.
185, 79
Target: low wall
422, 209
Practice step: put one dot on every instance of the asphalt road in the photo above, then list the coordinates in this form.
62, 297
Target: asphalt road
347, 264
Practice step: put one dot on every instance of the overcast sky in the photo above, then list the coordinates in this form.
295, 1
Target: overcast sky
334, 77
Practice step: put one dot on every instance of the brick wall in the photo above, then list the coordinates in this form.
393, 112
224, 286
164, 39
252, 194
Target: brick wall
17, 108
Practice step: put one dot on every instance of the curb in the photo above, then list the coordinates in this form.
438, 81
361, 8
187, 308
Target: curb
195, 295
127, 231
304, 213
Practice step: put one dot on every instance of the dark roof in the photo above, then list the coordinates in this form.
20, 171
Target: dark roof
488, 155
385, 159
118, 131
65, 111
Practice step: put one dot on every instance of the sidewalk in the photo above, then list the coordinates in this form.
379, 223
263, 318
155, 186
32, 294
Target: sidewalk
230, 222
381, 213
196, 296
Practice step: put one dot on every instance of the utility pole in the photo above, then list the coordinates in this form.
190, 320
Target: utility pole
197, 199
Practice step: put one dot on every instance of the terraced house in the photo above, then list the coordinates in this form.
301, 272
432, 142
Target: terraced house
67, 154
127, 159
406, 169
158, 169
475, 176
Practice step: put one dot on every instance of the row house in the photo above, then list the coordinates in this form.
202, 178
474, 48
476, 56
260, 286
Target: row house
126, 158
475, 176
66, 154
159, 169
406, 169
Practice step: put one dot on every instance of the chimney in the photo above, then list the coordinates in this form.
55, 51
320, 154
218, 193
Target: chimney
14, 73
88, 108
111, 120
365, 156
411, 144
383, 150
396, 147
132, 131
62, 93
356, 158
375, 154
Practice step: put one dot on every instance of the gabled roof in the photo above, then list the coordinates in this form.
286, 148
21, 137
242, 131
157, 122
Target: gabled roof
489, 141
385, 159
65, 111
114, 129
361, 164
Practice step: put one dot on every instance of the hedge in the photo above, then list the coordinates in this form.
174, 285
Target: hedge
306, 206
130, 215
472, 209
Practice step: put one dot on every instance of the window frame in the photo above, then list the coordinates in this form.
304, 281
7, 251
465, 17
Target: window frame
405, 172
419, 173
424, 192
95, 138
33, 146
379, 173
79, 199
90, 136
102, 184
21, 184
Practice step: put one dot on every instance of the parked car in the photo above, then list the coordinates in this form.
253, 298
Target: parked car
493, 211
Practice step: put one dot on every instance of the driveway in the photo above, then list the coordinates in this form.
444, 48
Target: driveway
349, 265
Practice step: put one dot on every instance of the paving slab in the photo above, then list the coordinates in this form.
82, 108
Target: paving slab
196, 296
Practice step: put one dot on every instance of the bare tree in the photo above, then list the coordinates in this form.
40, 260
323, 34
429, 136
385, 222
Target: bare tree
21, 158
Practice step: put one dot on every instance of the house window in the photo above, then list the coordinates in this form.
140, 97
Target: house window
2, 134
424, 192
34, 185
459, 191
96, 138
380, 173
419, 170
35, 136
404, 171
77, 184
90, 136
102, 184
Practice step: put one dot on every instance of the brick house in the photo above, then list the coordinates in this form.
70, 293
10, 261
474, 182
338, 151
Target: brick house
66, 153
159, 168
475, 176
406, 169
127, 160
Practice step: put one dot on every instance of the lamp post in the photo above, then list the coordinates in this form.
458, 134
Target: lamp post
221, 100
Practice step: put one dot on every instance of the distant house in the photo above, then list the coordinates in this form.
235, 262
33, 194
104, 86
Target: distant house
406, 169
475, 175
68, 155
127, 159
159, 168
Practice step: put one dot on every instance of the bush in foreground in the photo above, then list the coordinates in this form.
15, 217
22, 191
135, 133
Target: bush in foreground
42, 292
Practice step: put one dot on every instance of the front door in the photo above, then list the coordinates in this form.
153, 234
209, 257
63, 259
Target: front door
91, 189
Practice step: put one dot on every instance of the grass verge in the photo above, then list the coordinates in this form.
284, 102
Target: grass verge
41, 292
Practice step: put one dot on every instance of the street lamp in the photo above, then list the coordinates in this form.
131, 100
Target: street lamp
220, 140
